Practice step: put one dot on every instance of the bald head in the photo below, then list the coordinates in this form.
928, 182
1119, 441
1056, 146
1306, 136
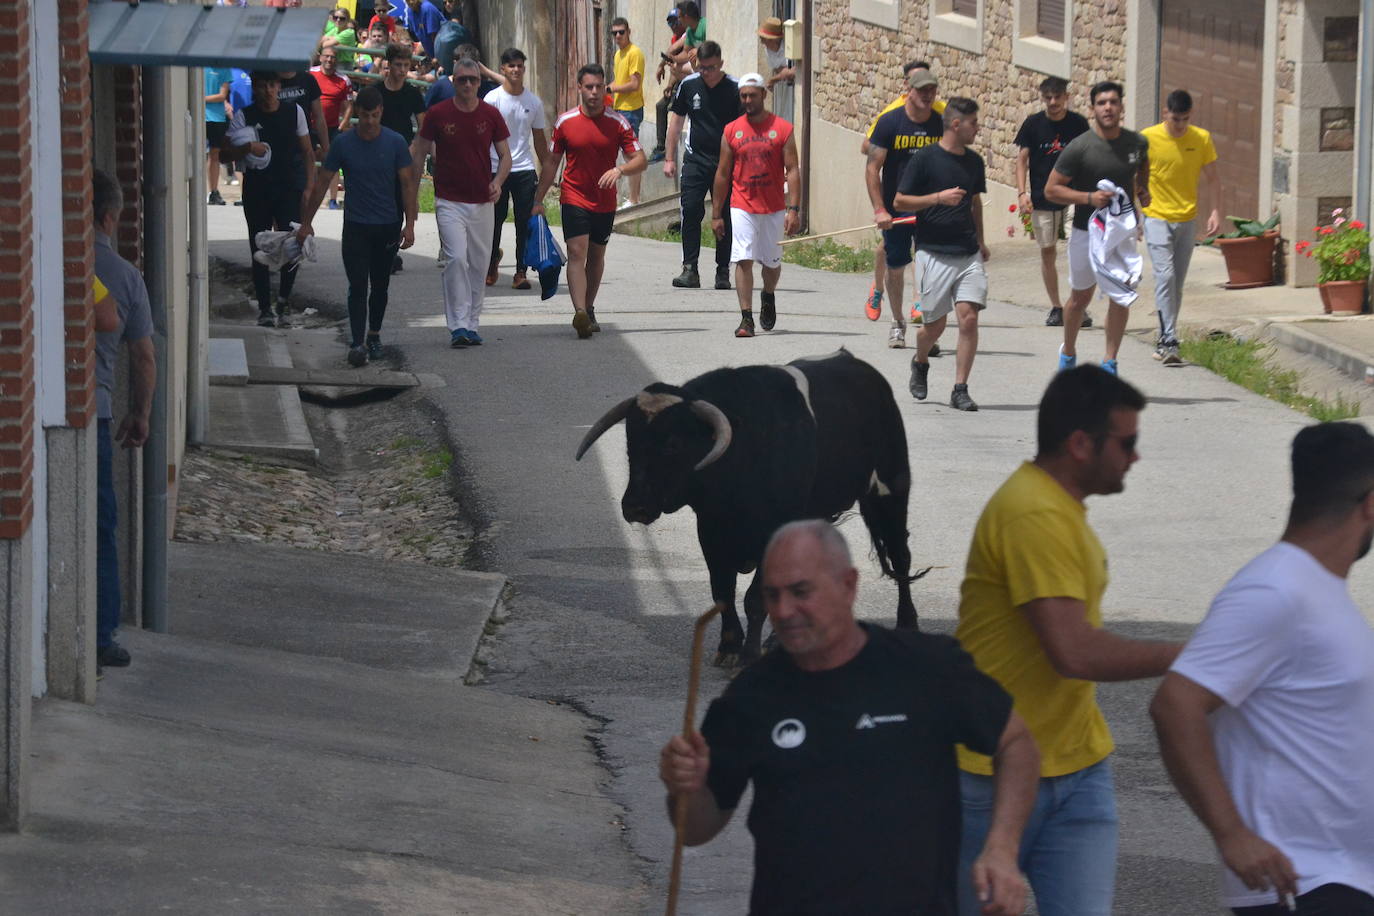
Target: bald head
832, 545
809, 589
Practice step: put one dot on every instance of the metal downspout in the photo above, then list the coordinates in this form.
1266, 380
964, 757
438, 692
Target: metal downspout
1364, 114
198, 321
157, 167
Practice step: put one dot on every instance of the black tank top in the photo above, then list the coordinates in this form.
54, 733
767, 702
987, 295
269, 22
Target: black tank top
278, 130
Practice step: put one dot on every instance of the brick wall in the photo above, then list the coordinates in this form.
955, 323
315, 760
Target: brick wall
128, 157
77, 233
17, 387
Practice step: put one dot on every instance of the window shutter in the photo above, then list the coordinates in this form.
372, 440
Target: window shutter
1049, 19
967, 8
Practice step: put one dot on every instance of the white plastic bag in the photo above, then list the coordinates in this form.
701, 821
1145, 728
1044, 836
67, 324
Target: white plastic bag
279, 248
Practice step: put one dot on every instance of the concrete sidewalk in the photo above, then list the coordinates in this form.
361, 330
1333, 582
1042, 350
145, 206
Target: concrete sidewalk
313, 750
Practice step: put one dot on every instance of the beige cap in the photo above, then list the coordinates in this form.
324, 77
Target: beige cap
771, 28
921, 78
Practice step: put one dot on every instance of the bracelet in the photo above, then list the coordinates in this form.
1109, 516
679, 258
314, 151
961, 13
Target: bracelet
796, 209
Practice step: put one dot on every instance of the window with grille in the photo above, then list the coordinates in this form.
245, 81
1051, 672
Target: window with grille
1049, 19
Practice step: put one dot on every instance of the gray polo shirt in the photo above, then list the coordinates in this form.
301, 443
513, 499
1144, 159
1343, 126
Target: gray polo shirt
125, 283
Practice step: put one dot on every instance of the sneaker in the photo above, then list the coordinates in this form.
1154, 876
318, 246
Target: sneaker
934, 350
112, 656
723, 279
896, 336
494, 269
333, 205
521, 281
656, 155
689, 278
919, 374
283, 314
233, 181
582, 324
397, 265
357, 357
1066, 361
1109, 365
768, 310
1055, 318
457, 339
873, 305
374, 346
215, 199
1171, 357
916, 313
1158, 353
625, 205
1087, 320
591, 313
474, 339
266, 320
959, 399
746, 325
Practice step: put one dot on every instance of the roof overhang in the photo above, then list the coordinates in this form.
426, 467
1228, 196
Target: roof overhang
156, 34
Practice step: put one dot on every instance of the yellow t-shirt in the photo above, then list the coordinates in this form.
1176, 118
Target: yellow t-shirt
1175, 165
628, 62
936, 106
1033, 541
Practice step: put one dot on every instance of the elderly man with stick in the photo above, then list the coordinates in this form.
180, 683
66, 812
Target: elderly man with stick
848, 735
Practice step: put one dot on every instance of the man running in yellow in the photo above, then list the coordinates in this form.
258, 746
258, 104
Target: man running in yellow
1179, 154
628, 89
873, 305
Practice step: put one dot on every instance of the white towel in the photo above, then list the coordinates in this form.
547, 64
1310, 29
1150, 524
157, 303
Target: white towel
1112, 246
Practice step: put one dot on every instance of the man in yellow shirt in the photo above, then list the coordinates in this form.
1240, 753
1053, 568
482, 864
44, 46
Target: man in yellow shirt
1030, 614
1179, 154
628, 88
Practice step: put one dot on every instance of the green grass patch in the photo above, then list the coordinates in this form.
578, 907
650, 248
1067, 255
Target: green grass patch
406, 443
1250, 364
436, 463
425, 203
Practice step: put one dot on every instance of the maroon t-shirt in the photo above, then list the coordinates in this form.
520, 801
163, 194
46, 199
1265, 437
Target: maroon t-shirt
462, 149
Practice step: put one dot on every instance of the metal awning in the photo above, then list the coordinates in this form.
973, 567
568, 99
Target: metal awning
190, 35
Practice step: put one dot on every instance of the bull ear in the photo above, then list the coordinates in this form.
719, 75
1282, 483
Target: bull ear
720, 430
611, 418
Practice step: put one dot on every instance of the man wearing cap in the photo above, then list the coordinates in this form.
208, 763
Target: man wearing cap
896, 135
757, 154
781, 73
711, 99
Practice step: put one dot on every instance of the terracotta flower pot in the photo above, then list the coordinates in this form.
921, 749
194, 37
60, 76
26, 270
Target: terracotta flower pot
1249, 261
1343, 297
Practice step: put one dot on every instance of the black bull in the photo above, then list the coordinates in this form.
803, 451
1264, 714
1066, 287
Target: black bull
753, 448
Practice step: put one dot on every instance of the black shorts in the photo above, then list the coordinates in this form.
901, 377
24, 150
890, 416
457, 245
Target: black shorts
578, 221
214, 133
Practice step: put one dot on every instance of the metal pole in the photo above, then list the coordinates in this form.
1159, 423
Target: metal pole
198, 319
157, 162
1364, 114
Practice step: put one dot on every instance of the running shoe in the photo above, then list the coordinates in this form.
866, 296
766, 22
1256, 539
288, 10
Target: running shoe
920, 372
494, 270
457, 339
1171, 357
1110, 366
896, 336
215, 199
768, 310
267, 320
357, 357
582, 324
746, 325
474, 339
374, 347
1066, 361
283, 314
873, 305
1158, 353
1055, 318
1087, 320
960, 400
333, 205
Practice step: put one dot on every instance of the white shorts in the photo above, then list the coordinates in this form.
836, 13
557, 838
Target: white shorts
950, 278
756, 237
1081, 274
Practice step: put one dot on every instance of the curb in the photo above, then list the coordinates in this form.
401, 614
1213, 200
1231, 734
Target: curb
483, 646
1353, 363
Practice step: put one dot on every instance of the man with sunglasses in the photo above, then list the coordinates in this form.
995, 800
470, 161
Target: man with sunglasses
628, 88
1030, 614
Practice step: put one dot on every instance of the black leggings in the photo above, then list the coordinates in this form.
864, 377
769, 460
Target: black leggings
1327, 900
268, 207
368, 250
519, 188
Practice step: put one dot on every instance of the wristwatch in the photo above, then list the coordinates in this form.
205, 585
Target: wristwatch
795, 209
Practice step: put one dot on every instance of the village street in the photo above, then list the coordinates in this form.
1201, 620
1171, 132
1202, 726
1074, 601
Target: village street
601, 610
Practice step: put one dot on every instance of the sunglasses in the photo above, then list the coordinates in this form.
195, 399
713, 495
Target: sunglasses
618, 31
339, 18
467, 79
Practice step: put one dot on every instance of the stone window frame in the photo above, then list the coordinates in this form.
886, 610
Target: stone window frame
950, 28
885, 13
1035, 52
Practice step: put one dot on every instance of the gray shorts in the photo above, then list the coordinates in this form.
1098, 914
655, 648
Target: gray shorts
950, 278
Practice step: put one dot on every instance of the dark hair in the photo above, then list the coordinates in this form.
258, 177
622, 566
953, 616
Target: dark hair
1081, 399
1179, 101
1105, 86
512, 55
1333, 469
106, 195
369, 99
708, 49
590, 70
914, 65
1053, 85
958, 105
265, 76
620, 20
396, 51
688, 9
466, 50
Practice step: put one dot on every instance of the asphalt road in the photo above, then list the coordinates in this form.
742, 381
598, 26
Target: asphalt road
602, 610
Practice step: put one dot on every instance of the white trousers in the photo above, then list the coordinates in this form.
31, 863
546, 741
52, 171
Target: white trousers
465, 238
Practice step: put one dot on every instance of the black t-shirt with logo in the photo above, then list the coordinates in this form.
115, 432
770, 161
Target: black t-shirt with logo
399, 107
901, 136
1046, 139
943, 229
709, 110
303, 89
856, 786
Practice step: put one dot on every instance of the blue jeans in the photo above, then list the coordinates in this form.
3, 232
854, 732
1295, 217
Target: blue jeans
106, 546
635, 117
1068, 851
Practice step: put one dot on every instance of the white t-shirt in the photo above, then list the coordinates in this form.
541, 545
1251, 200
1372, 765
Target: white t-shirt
1291, 656
523, 113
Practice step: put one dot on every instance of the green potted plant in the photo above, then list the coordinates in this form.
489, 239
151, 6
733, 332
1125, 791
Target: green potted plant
1249, 251
1342, 254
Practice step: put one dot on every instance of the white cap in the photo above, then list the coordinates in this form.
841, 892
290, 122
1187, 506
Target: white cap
752, 79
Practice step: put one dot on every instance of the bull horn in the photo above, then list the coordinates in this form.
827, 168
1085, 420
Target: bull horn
720, 430
611, 418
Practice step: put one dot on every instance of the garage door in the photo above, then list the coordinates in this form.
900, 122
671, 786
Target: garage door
1214, 49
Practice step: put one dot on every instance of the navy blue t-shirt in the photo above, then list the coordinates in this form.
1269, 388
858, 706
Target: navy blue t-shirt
369, 168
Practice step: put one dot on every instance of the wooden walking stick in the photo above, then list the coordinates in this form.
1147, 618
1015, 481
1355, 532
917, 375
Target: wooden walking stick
689, 722
899, 221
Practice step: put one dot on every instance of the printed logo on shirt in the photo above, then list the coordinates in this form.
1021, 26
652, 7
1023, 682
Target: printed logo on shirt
772, 135
450, 129
739, 135
789, 733
867, 721
696, 102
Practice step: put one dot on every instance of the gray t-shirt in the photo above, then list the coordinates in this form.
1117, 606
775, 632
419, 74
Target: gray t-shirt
125, 283
1088, 159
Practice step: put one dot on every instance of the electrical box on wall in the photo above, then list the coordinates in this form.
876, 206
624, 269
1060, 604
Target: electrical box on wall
792, 38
